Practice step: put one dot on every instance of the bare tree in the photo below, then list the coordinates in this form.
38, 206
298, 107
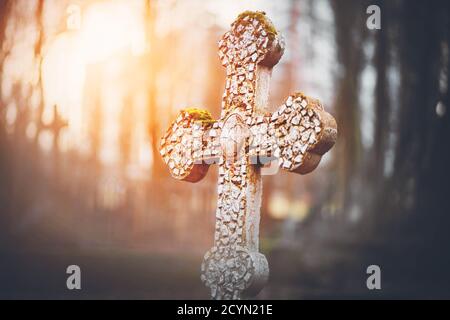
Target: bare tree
350, 35
153, 56
5, 173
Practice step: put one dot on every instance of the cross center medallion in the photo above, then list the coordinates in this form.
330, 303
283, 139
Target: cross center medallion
232, 138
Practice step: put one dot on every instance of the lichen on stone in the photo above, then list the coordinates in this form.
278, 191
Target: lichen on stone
199, 115
262, 18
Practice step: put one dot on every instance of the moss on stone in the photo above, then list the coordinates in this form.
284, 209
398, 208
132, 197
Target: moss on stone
262, 18
199, 114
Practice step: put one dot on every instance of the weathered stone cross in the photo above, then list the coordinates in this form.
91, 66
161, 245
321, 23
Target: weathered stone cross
243, 142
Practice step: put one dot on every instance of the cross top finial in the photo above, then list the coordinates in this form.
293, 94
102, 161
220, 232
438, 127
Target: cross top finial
252, 39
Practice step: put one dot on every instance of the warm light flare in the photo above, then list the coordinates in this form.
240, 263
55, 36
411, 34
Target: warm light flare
109, 27
103, 31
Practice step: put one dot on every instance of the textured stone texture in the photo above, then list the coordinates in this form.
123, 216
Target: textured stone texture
296, 135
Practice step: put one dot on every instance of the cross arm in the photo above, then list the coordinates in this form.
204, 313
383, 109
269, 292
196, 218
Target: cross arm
297, 134
191, 145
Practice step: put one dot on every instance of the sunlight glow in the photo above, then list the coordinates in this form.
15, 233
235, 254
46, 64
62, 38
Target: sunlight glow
95, 35
107, 28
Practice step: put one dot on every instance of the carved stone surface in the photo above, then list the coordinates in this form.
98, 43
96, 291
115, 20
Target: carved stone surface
297, 135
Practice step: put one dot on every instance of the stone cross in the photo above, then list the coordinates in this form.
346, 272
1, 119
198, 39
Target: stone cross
245, 140
57, 124
55, 127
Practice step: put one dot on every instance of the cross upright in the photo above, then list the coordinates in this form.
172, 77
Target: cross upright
245, 142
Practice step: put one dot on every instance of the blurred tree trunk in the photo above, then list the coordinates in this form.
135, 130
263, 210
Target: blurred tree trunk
5, 7
421, 34
126, 131
39, 58
153, 58
431, 157
350, 35
382, 102
5, 172
95, 136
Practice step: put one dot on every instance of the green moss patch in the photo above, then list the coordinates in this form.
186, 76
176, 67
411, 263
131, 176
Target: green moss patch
199, 114
262, 18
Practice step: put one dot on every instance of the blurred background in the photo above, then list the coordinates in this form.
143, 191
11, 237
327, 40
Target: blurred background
88, 87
